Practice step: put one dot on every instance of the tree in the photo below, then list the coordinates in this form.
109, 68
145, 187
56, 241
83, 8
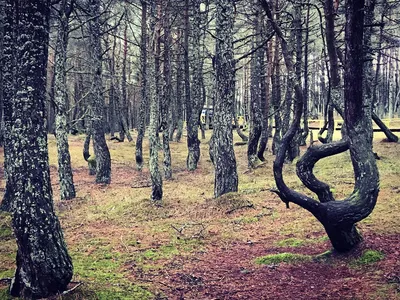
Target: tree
143, 87
255, 100
44, 267
226, 177
337, 217
96, 105
167, 89
193, 91
154, 94
67, 188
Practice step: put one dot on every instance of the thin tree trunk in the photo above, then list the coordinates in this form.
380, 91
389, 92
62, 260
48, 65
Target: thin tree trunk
255, 104
166, 99
143, 88
153, 63
67, 188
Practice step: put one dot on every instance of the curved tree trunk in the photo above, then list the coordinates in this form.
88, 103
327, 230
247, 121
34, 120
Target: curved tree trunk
338, 217
226, 178
44, 267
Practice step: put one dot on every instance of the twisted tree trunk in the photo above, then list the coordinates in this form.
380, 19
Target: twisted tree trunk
337, 217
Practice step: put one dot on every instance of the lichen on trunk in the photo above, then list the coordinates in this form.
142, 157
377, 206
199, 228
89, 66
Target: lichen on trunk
223, 155
44, 267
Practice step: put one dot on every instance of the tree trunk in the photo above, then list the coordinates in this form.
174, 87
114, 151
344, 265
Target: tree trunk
44, 267
143, 87
9, 86
276, 99
265, 99
156, 179
67, 188
255, 100
96, 105
193, 101
179, 88
166, 97
226, 178
124, 110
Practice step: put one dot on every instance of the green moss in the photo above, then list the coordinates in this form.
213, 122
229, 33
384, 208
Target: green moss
166, 251
282, 257
5, 226
369, 257
291, 242
4, 294
246, 220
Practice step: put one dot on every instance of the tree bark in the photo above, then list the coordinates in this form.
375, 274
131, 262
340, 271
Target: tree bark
255, 100
193, 101
44, 267
67, 188
143, 87
96, 105
156, 179
166, 97
226, 178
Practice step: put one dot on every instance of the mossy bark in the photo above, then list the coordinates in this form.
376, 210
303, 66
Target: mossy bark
222, 152
143, 88
255, 100
67, 188
193, 102
44, 267
153, 64
96, 105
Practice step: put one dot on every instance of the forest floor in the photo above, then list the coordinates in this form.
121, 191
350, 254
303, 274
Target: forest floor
196, 247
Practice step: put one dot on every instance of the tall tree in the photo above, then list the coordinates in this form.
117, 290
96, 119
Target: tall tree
255, 100
193, 99
167, 89
143, 87
337, 217
226, 177
96, 105
44, 267
67, 188
154, 68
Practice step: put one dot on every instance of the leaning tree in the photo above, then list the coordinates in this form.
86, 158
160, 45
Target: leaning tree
44, 267
337, 217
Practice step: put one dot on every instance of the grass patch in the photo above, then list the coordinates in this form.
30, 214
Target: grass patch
5, 226
282, 257
166, 251
368, 257
291, 242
